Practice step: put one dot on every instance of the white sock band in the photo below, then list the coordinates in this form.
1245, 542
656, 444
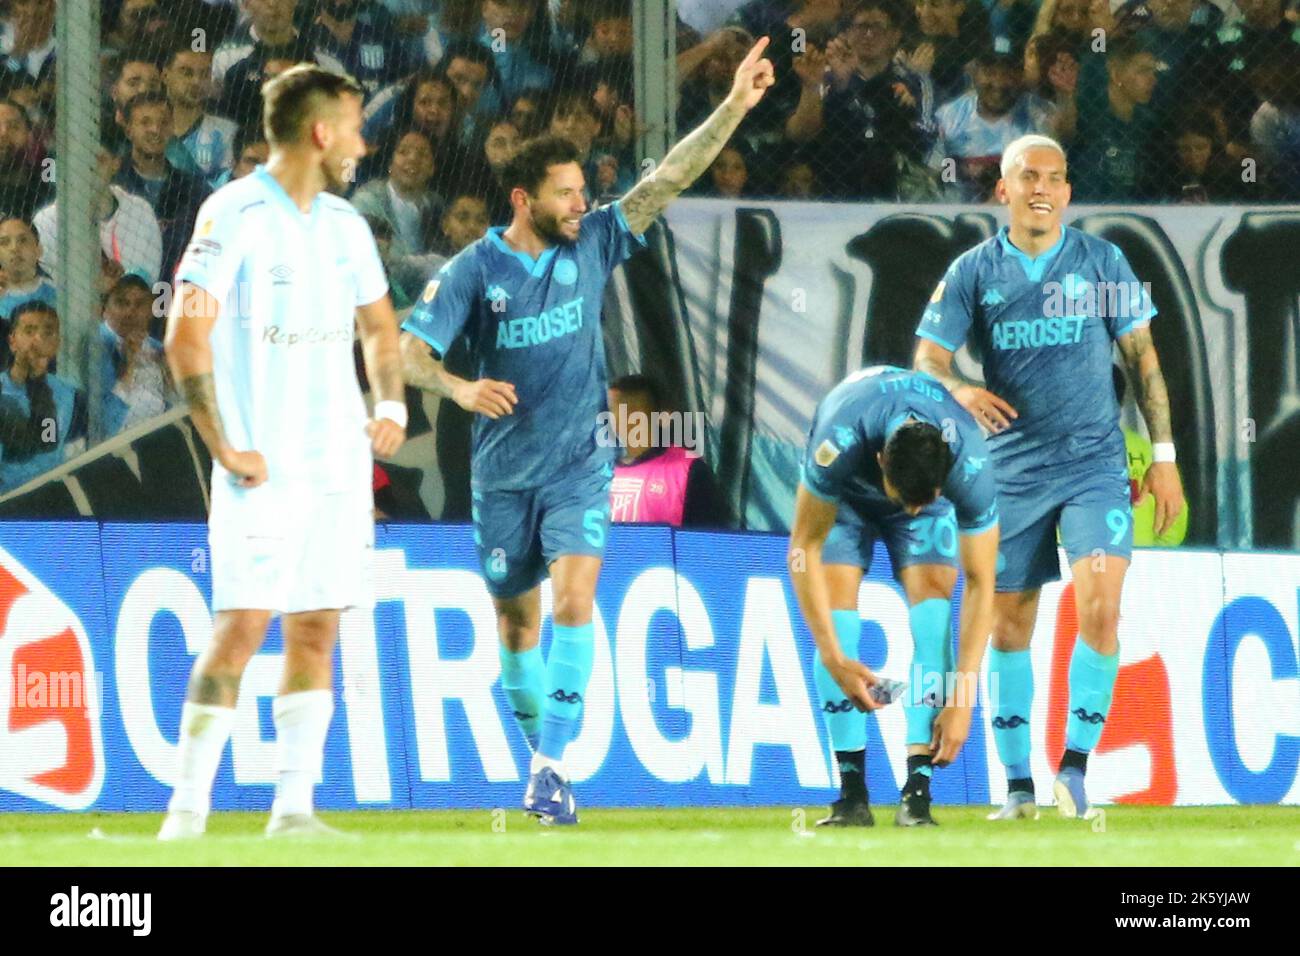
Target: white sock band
302, 720
205, 728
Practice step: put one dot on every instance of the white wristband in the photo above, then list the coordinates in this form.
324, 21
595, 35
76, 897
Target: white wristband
1163, 451
393, 411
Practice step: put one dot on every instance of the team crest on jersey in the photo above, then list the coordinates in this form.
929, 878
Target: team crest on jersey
566, 272
430, 291
938, 292
1075, 286
992, 297
844, 437
972, 467
825, 454
372, 56
496, 294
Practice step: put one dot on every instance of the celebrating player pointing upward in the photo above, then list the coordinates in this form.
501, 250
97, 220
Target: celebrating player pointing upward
1046, 305
527, 300
277, 277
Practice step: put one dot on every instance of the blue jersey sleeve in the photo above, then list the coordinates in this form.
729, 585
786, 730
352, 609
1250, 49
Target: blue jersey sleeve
972, 487
951, 309
446, 304
607, 235
834, 455
1131, 299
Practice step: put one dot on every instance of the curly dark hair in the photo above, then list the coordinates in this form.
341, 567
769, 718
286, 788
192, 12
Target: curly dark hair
527, 169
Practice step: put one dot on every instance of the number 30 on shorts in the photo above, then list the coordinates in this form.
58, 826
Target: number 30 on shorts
593, 527
939, 534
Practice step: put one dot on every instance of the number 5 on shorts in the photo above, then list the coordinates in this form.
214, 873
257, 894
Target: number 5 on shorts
593, 523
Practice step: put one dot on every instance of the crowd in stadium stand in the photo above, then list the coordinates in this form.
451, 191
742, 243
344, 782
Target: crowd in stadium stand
907, 100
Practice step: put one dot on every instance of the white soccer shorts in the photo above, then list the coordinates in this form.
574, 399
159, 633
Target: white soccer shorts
290, 548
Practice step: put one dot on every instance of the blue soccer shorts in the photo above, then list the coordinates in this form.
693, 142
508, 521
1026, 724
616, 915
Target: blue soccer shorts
1089, 504
928, 538
519, 533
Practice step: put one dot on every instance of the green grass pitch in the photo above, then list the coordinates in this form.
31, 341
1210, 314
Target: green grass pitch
1145, 836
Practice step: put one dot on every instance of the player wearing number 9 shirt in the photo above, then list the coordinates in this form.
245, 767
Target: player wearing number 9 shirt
1046, 306
527, 299
884, 444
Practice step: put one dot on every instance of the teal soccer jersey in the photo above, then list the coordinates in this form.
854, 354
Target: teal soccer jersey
535, 324
1046, 329
851, 425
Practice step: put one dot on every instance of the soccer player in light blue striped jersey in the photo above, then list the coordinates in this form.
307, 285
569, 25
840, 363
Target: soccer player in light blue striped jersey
526, 299
1047, 304
280, 278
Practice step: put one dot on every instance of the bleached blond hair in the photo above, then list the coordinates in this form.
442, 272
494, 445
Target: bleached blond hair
1016, 149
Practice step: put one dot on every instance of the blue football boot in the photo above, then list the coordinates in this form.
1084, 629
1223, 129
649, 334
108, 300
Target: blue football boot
549, 797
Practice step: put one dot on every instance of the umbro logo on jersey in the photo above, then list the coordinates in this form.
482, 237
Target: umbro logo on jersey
283, 274
993, 297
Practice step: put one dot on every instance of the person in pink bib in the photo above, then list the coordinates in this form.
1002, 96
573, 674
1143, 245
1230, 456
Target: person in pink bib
661, 476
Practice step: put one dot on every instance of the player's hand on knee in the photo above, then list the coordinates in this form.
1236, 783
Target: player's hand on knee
247, 468
856, 680
386, 436
486, 397
951, 728
1163, 481
991, 411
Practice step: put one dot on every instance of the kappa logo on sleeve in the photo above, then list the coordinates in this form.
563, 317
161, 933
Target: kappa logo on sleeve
51, 744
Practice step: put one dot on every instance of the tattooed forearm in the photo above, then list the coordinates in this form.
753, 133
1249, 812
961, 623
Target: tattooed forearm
681, 167
948, 378
1152, 395
384, 369
421, 369
1153, 398
200, 393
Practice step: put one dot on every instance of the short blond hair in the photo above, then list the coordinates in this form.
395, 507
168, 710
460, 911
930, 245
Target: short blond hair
1016, 149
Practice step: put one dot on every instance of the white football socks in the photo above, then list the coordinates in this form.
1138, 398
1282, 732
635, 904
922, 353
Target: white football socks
205, 728
302, 720
540, 761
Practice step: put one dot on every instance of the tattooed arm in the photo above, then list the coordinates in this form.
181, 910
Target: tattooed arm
1153, 398
485, 396
1162, 478
189, 355
692, 156
992, 411
377, 324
